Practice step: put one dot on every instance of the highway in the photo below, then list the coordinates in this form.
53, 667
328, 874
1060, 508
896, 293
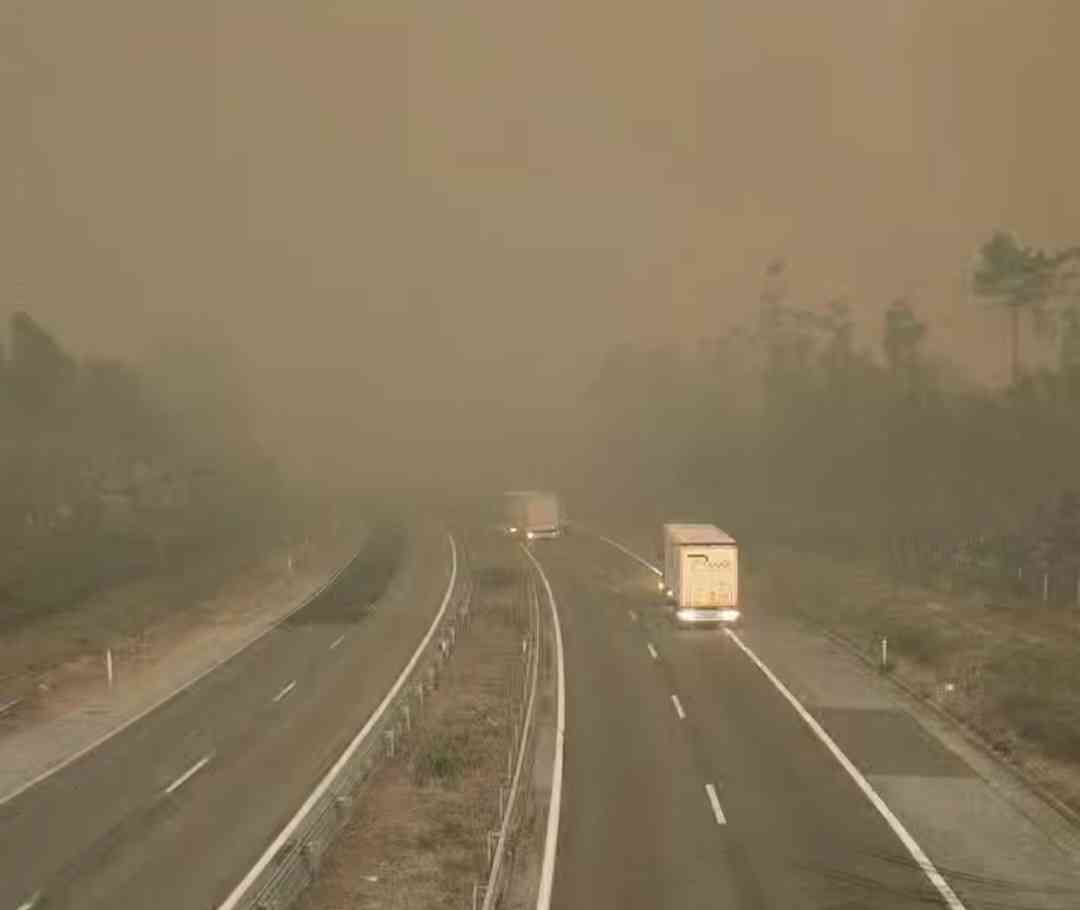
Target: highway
172, 812
689, 780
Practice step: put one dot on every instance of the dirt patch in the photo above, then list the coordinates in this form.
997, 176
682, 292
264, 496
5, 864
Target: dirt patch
418, 837
1011, 675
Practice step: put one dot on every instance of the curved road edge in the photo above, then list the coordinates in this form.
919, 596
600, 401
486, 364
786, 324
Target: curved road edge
149, 709
242, 890
910, 844
551, 837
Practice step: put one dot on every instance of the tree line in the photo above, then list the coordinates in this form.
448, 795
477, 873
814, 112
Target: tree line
108, 470
795, 433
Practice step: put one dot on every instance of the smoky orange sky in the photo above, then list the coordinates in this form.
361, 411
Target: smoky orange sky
461, 203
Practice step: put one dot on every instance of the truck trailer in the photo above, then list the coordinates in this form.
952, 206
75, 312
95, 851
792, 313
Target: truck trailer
702, 571
533, 513
666, 583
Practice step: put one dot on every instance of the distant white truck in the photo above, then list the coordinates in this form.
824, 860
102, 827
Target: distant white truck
701, 573
533, 513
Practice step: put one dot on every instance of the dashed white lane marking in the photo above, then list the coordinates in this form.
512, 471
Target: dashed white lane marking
714, 801
7, 706
337, 641
678, 707
285, 691
283, 836
652, 652
188, 774
921, 859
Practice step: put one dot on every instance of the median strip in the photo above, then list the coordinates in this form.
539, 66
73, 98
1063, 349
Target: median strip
317, 796
188, 774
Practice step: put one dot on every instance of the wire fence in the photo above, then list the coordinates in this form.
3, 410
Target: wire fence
296, 864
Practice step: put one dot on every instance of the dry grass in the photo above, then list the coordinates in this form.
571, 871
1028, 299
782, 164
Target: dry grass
1012, 674
418, 838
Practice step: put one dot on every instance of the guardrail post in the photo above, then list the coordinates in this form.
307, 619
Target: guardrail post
492, 840
310, 854
343, 804
420, 695
389, 743
408, 718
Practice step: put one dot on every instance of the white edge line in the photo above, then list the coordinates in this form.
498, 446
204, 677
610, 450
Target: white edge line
30, 904
923, 861
714, 801
551, 836
337, 641
652, 652
188, 774
492, 893
928, 868
115, 731
285, 691
678, 707
638, 559
253, 874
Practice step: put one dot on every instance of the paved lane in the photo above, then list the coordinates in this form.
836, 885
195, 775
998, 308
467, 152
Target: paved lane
656, 718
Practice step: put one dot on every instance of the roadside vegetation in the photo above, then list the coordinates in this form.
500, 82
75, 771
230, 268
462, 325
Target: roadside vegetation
420, 834
111, 472
879, 492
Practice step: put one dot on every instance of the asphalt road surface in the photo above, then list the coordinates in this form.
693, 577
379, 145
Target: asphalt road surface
173, 811
689, 781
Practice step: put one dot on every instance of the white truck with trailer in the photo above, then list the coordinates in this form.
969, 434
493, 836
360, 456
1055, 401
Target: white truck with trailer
533, 513
670, 529
701, 569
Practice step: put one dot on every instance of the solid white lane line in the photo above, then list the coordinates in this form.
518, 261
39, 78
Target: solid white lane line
120, 728
618, 546
337, 641
30, 904
678, 707
237, 894
652, 652
551, 836
714, 801
921, 859
188, 774
285, 691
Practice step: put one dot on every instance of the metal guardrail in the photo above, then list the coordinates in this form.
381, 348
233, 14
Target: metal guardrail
512, 808
295, 864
